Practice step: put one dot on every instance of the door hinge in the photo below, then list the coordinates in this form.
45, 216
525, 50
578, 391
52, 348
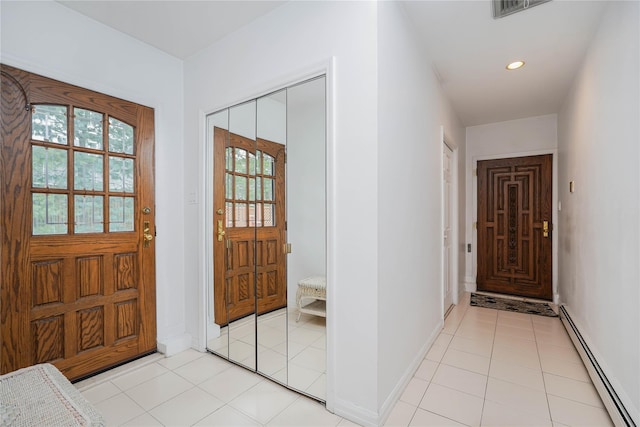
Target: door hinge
475, 225
287, 248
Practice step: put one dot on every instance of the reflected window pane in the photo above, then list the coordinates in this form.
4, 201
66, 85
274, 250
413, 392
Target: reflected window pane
120, 174
259, 188
49, 123
268, 189
241, 160
228, 159
269, 215
252, 215
228, 214
121, 213
241, 215
258, 162
241, 188
49, 214
88, 171
228, 188
268, 165
259, 215
89, 214
252, 189
252, 164
87, 127
49, 167
120, 137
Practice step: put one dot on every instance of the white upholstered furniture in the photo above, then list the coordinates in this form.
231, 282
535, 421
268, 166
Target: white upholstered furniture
41, 396
311, 296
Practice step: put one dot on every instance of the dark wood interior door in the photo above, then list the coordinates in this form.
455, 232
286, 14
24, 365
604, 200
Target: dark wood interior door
77, 215
249, 226
514, 226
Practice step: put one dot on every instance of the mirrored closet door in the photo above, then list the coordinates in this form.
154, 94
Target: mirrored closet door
266, 235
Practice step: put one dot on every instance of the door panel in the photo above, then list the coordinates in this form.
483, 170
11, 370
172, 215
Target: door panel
78, 168
271, 284
239, 275
514, 202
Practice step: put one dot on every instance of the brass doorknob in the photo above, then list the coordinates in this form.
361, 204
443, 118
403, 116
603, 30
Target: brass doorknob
148, 237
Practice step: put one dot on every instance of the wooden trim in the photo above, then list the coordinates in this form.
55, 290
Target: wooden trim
14, 219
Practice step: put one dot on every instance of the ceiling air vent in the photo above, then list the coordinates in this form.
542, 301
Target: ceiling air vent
507, 7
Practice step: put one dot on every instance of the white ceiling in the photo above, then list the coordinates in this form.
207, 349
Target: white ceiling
181, 28
470, 50
467, 47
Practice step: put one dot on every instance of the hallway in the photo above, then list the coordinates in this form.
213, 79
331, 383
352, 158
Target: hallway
497, 368
487, 367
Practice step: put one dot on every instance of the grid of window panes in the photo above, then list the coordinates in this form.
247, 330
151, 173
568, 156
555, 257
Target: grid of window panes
81, 170
249, 188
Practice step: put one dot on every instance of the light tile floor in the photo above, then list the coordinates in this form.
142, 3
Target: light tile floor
198, 389
282, 338
497, 368
487, 367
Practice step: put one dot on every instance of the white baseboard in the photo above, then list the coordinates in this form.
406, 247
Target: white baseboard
174, 345
213, 331
395, 395
356, 414
620, 407
470, 284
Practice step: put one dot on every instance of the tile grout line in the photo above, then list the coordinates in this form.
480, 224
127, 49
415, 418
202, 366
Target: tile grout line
486, 386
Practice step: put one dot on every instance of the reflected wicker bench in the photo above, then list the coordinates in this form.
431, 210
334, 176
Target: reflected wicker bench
311, 296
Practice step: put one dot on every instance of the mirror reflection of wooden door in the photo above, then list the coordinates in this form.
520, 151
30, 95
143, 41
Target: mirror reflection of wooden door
249, 226
78, 257
514, 226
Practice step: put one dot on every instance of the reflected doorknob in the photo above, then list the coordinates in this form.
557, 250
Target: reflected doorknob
220, 232
147, 237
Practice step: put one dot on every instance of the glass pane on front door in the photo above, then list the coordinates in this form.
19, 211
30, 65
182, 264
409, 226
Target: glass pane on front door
49, 124
89, 214
48, 167
87, 127
49, 214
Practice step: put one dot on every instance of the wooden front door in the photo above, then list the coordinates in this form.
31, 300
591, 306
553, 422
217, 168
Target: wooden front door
249, 224
514, 226
77, 215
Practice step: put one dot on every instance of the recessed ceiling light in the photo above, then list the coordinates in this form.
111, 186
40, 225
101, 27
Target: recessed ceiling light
515, 65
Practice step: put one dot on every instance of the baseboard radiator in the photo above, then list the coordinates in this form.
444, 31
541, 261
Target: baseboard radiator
617, 411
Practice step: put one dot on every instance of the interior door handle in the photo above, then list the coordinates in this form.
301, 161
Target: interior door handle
545, 228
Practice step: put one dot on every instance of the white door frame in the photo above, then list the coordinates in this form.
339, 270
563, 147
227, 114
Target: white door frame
453, 274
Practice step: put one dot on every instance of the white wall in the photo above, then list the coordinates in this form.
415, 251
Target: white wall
514, 138
411, 110
271, 123
296, 39
71, 50
598, 139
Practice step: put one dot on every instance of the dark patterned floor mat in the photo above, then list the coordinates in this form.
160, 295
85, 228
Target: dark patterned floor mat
539, 308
